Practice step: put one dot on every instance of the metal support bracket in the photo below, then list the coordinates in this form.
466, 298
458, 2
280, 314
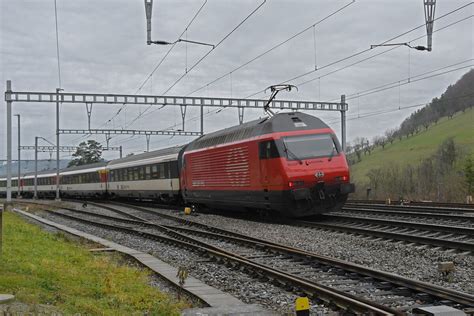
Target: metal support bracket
430, 6
343, 123
183, 109
89, 113
241, 115
148, 11
148, 136
107, 139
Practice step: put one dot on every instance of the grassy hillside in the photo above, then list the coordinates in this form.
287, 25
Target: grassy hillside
420, 146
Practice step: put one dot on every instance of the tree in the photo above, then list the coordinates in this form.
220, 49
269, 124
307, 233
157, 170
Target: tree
390, 135
87, 153
469, 174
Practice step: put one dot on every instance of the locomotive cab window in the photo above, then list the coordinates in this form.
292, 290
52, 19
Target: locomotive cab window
268, 149
311, 146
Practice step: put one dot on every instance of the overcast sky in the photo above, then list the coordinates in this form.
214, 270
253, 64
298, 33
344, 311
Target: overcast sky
103, 49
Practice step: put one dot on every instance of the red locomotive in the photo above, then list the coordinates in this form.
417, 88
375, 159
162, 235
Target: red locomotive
291, 163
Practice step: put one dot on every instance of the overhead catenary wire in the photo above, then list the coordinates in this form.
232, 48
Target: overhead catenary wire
412, 81
405, 81
171, 48
312, 26
357, 62
363, 115
162, 60
381, 112
202, 58
351, 56
215, 46
362, 51
378, 54
408, 32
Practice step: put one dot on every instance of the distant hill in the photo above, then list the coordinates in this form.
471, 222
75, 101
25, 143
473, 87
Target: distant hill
413, 149
457, 97
428, 157
29, 166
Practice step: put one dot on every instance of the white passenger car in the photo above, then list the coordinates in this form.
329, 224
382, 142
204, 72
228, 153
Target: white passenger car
84, 181
152, 175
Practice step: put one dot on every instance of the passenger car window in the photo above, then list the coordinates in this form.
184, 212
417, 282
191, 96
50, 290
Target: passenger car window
154, 172
162, 171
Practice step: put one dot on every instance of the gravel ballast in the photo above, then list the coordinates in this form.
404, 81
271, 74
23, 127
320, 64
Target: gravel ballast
413, 261
235, 282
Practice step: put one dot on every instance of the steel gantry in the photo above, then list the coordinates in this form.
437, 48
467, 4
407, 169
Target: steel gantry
148, 134
89, 99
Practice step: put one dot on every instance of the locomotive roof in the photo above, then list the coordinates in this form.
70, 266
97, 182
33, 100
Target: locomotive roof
281, 122
148, 155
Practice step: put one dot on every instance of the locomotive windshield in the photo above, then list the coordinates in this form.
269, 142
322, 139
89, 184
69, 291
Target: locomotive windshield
310, 146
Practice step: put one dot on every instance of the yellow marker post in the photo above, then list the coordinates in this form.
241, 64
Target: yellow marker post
302, 306
187, 211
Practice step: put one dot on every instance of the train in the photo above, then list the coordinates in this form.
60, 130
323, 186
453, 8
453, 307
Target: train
290, 164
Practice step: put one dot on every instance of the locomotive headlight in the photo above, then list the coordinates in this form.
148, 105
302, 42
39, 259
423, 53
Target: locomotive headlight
296, 183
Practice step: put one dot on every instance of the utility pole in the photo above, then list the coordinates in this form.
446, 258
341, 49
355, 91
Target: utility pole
343, 122
57, 144
430, 6
18, 195
35, 196
148, 142
148, 11
9, 142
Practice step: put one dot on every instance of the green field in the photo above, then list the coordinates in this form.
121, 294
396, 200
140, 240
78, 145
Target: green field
45, 268
415, 148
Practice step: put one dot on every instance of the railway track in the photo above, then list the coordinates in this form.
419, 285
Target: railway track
444, 236
437, 227
417, 206
444, 217
348, 286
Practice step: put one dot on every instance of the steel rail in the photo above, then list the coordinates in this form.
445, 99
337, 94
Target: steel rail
341, 299
414, 208
384, 276
416, 205
409, 213
458, 230
434, 290
452, 244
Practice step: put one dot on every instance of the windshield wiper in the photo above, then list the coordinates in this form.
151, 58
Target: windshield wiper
333, 151
288, 151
